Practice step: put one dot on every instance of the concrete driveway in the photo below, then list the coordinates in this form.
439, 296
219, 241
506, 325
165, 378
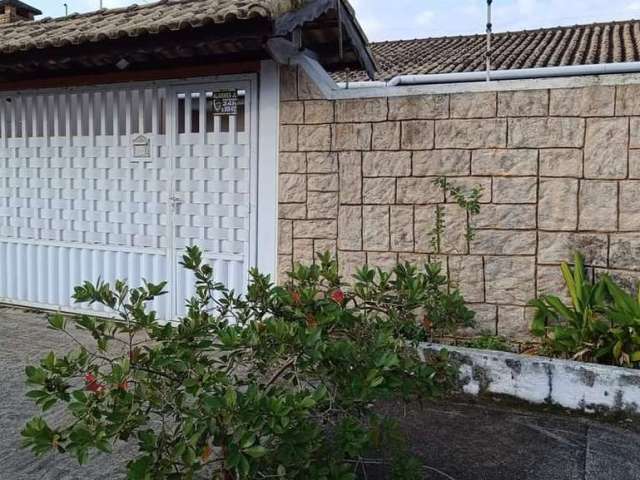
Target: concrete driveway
458, 439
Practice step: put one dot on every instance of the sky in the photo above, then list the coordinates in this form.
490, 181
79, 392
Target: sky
405, 19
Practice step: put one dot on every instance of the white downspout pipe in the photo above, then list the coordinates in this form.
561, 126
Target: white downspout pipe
284, 52
489, 32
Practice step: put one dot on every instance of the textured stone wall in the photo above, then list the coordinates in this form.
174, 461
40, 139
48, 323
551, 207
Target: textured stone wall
560, 170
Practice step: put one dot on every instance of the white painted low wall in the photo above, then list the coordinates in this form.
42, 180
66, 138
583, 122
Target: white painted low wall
574, 385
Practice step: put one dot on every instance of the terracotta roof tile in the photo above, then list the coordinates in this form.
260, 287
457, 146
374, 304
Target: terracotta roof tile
549, 47
131, 21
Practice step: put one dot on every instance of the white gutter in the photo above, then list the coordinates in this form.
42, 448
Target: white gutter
516, 74
286, 53
371, 84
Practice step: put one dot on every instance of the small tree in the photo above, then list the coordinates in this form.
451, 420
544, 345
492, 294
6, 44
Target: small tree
469, 201
278, 383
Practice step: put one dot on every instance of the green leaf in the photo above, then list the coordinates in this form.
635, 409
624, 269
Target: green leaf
189, 456
35, 375
256, 452
230, 398
104, 446
49, 362
579, 278
82, 455
56, 322
79, 396
560, 308
617, 349
539, 323
36, 394
376, 382
78, 409
48, 403
140, 469
307, 402
243, 466
81, 434
570, 282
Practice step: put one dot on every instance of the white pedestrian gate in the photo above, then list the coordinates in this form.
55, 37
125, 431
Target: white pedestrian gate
114, 182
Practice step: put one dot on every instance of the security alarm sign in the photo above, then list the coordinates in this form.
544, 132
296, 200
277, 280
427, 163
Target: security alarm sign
225, 102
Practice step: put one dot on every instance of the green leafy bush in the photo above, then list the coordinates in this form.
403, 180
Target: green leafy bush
278, 383
602, 323
623, 313
419, 304
489, 342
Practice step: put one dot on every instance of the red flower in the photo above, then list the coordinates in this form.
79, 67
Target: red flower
296, 298
338, 296
92, 384
124, 385
311, 321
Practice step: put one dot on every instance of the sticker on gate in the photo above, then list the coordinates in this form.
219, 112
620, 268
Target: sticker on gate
225, 102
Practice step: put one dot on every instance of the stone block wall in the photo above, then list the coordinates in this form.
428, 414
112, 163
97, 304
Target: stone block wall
560, 170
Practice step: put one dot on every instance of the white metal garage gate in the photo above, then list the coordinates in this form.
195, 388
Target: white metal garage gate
113, 182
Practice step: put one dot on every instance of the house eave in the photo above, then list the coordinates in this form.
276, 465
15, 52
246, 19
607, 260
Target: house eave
329, 28
235, 42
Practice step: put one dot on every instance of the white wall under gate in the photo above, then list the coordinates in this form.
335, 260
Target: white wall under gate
78, 201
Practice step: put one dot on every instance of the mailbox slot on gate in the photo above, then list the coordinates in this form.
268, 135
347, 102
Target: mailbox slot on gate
141, 147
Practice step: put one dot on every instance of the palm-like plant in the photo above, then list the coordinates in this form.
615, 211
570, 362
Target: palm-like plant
624, 314
577, 330
602, 323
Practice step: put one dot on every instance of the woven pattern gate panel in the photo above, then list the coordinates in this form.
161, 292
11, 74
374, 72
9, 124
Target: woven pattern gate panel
115, 182
212, 184
75, 202
67, 172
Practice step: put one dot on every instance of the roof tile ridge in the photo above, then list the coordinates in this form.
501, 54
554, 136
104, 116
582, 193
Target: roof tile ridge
522, 31
106, 12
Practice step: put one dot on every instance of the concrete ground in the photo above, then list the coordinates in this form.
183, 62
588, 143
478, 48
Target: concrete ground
463, 439
457, 439
24, 339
